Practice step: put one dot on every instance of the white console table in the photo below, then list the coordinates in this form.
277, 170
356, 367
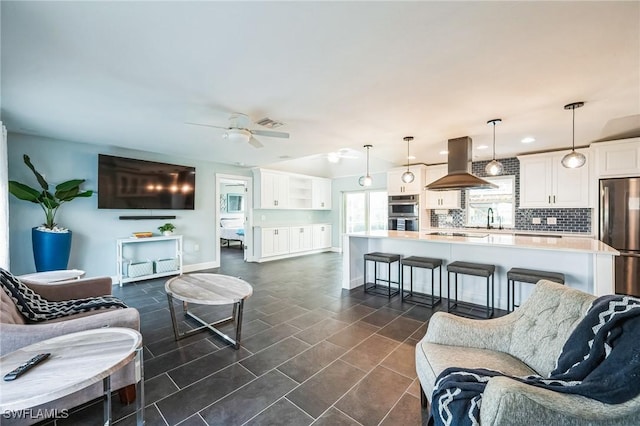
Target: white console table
173, 247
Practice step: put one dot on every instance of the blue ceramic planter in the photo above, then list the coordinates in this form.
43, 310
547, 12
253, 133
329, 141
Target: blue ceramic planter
51, 249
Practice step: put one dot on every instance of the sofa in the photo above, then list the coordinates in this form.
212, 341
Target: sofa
16, 332
526, 341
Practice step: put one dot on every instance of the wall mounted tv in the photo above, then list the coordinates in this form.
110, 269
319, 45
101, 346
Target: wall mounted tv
126, 183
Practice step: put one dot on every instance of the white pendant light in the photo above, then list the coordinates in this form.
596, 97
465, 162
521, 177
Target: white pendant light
494, 167
366, 180
574, 159
408, 177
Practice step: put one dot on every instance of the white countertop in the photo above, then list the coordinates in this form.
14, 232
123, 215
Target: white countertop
478, 237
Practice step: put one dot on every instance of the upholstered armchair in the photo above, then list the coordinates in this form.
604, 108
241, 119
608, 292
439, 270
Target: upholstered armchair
17, 332
525, 342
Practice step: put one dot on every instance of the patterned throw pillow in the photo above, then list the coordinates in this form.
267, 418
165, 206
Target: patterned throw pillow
35, 308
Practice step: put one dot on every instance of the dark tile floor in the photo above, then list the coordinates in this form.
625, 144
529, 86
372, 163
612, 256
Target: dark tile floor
311, 353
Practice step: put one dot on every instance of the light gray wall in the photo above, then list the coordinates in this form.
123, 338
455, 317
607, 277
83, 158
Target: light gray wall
95, 230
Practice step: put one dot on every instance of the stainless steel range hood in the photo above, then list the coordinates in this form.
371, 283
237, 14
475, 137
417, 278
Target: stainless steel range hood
459, 176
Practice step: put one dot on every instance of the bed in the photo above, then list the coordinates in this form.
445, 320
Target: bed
232, 229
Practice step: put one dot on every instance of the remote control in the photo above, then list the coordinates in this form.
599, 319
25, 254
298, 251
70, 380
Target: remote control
12, 375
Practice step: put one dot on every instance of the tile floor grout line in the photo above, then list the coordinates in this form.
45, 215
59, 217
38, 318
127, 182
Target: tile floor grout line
337, 409
313, 419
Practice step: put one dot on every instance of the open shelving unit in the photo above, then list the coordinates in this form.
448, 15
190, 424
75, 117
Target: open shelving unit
168, 246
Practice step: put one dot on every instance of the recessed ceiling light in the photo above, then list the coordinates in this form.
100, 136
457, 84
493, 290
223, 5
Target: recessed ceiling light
411, 157
445, 152
528, 139
482, 147
333, 157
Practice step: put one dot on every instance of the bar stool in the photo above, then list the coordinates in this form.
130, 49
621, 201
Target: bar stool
530, 276
425, 263
375, 287
474, 269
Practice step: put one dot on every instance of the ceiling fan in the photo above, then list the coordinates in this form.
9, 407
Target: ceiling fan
238, 129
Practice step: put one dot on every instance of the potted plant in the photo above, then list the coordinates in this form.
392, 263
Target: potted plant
167, 228
51, 243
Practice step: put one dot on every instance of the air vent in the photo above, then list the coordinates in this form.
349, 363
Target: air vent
269, 123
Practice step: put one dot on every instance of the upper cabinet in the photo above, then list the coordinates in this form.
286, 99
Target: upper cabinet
395, 185
280, 190
617, 158
440, 199
545, 183
321, 193
273, 191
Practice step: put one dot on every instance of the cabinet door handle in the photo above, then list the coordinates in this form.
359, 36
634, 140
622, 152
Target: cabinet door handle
554, 199
549, 199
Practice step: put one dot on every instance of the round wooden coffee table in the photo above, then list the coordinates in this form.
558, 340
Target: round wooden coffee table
208, 289
77, 360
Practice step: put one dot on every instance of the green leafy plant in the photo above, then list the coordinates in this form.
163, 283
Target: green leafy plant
167, 227
50, 203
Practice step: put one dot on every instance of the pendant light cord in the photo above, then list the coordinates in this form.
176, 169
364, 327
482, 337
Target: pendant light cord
573, 131
494, 140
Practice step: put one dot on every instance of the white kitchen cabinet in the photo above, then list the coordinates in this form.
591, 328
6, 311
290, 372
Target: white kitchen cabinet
619, 158
395, 185
273, 190
440, 199
321, 194
546, 183
280, 190
321, 236
275, 241
300, 238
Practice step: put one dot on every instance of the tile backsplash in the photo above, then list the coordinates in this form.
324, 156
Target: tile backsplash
568, 220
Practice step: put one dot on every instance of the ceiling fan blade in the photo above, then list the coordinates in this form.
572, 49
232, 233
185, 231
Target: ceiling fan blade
206, 125
270, 133
255, 142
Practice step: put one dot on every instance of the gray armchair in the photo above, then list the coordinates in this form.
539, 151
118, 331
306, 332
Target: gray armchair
16, 332
526, 341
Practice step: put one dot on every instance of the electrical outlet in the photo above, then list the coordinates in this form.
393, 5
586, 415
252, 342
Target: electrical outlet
263, 218
536, 221
196, 247
551, 221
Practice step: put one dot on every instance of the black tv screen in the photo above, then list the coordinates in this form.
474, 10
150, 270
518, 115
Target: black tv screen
126, 183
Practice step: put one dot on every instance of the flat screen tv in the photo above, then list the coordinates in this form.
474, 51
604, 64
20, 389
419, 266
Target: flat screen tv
127, 183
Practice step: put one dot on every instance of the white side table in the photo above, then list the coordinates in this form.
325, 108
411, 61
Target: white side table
52, 276
77, 360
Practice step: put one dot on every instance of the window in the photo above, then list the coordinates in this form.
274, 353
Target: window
365, 211
501, 200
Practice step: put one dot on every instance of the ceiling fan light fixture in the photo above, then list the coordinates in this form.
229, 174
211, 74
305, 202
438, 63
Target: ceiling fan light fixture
574, 159
238, 135
366, 180
408, 177
494, 167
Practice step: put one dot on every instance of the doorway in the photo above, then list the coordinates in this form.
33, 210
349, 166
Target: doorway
234, 217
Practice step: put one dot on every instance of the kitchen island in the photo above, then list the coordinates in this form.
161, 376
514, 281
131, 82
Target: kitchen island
587, 263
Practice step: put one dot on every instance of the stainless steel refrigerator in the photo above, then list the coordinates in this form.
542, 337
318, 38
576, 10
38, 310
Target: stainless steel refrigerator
620, 228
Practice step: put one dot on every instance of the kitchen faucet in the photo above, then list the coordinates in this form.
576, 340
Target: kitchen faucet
489, 217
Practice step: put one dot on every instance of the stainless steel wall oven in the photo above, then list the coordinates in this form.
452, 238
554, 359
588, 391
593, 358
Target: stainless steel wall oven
404, 212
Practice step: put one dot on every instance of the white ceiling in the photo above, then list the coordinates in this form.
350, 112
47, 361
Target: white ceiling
339, 74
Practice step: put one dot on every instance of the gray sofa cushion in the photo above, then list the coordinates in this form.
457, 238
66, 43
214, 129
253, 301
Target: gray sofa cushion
435, 358
544, 325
